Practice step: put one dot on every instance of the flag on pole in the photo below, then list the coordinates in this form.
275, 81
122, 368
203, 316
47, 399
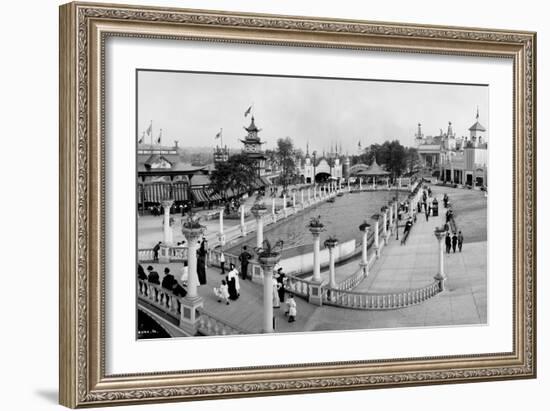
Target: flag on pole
247, 112
219, 134
149, 129
160, 136
142, 138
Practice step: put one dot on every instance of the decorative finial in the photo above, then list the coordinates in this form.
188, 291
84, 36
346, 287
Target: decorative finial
477, 114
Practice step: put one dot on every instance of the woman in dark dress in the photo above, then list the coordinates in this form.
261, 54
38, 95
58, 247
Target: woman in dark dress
281, 284
201, 263
232, 278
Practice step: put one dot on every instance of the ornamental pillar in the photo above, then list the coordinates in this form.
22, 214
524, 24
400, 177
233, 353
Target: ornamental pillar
376, 235
332, 262
243, 227
258, 214
167, 230
192, 301
384, 226
440, 276
267, 264
164, 252
364, 248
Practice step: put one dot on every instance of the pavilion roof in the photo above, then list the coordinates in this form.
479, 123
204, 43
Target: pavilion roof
375, 170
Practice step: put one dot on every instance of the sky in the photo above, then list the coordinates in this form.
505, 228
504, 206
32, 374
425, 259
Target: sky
192, 108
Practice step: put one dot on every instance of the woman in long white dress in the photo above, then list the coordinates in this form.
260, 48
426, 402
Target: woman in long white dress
276, 300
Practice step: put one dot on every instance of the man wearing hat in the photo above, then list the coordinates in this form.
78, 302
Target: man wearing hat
153, 276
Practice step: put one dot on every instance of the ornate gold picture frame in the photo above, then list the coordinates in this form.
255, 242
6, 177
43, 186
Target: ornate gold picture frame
84, 29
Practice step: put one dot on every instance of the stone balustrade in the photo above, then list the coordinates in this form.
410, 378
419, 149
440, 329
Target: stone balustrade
210, 325
160, 298
372, 301
171, 306
145, 255
298, 286
352, 281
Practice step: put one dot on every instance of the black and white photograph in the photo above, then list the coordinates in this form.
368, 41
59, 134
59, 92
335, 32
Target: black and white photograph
277, 204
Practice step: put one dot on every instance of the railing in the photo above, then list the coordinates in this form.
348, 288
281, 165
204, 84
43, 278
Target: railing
298, 286
146, 254
370, 301
208, 324
352, 281
160, 298
178, 254
168, 303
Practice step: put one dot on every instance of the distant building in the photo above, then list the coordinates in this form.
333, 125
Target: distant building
328, 166
459, 160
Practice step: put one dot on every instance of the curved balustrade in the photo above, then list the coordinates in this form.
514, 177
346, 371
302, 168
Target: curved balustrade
298, 286
169, 304
208, 324
159, 297
352, 281
371, 301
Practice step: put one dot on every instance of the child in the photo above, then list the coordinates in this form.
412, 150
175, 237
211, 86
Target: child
291, 309
222, 292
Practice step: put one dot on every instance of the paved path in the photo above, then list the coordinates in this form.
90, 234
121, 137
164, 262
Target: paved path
399, 267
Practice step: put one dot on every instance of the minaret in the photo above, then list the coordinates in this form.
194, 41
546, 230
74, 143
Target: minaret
419, 137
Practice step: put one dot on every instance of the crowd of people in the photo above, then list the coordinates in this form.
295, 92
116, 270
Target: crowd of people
229, 287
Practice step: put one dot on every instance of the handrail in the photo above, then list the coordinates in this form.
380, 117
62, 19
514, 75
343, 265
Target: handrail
209, 324
352, 281
379, 301
167, 302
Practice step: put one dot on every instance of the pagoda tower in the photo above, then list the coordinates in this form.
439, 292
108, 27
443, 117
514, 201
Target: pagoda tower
253, 147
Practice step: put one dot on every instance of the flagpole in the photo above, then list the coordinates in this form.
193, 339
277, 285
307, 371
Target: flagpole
151, 136
221, 137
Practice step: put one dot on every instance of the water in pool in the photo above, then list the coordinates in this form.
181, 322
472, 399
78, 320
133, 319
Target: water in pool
341, 219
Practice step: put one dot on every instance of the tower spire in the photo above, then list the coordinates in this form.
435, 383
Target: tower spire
477, 113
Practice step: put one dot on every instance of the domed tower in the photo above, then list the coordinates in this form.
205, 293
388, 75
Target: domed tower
477, 132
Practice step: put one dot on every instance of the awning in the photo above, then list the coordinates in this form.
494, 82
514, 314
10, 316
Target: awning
156, 192
199, 195
179, 191
214, 196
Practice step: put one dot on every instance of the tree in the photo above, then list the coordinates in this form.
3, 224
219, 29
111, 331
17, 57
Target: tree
286, 159
237, 173
413, 159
